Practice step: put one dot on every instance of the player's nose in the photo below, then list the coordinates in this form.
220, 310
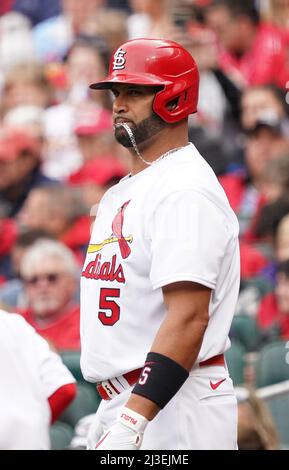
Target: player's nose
120, 105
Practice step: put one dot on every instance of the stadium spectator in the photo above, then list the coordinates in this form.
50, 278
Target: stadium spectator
267, 141
16, 45
8, 236
35, 386
60, 212
28, 117
19, 169
208, 128
277, 13
49, 272
275, 180
85, 61
150, 19
37, 10
273, 311
94, 131
119, 4
202, 45
250, 51
32, 89
54, 36
272, 230
109, 24
5, 6
282, 239
258, 100
256, 429
93, 128
12, 291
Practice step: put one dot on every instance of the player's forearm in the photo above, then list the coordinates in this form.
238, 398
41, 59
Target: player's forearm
179, 341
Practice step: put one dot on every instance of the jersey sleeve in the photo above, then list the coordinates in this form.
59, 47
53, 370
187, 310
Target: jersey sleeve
52, 372
189, 235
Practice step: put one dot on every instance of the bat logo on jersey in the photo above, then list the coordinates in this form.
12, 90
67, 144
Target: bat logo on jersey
108, 270
117, 235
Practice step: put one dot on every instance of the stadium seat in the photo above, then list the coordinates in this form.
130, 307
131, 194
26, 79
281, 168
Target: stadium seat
279, 407
72, 361
271, 366
86, 402
60, 436
245, 330
235, 362
261, 284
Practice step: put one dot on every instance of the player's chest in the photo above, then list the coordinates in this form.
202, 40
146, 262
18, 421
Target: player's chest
119, 242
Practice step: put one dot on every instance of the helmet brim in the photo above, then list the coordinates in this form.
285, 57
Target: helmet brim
132, 79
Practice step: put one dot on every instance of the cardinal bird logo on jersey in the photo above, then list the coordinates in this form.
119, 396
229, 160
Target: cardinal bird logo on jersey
117, 225
117, 235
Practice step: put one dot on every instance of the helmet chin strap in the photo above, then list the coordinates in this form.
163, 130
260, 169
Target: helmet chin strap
132, 139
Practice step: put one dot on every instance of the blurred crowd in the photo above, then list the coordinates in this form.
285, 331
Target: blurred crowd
58, 154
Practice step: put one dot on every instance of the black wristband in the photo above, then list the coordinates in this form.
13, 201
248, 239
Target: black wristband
160, 379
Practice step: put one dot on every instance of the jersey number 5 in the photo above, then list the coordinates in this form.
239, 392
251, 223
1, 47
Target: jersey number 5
112, 314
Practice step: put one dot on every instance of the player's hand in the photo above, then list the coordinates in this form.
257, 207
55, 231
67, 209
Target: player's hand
125, 434
95, 432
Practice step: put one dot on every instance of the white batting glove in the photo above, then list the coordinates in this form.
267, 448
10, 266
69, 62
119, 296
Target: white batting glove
125, 434
94, 433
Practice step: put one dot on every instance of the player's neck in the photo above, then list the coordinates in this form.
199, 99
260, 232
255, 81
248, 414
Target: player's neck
161, 144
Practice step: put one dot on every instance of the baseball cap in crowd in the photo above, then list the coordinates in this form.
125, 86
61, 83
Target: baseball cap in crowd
23, 115
272, 121
99, 171
14, 141
92, 121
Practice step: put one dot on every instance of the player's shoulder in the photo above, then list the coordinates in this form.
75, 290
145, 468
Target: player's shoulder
187, 174
14, 323
10, 318
186, 170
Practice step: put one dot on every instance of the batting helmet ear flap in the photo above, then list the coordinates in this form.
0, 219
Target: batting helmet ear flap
187, 98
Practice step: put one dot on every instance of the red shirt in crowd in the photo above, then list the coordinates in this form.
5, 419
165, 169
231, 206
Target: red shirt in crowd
77, 237
269, 315
235, 186
5, 6
63, 333
265, 62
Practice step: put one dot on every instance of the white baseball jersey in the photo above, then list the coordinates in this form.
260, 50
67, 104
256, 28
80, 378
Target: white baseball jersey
30, 373
170, 222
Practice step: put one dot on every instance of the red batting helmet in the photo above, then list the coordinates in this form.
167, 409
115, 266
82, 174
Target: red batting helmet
157, 62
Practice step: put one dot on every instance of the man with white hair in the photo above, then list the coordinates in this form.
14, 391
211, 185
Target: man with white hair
49, 272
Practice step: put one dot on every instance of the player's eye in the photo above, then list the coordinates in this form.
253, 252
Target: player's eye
134, 92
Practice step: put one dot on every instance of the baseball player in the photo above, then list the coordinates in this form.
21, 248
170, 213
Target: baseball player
161, 275
35, 386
